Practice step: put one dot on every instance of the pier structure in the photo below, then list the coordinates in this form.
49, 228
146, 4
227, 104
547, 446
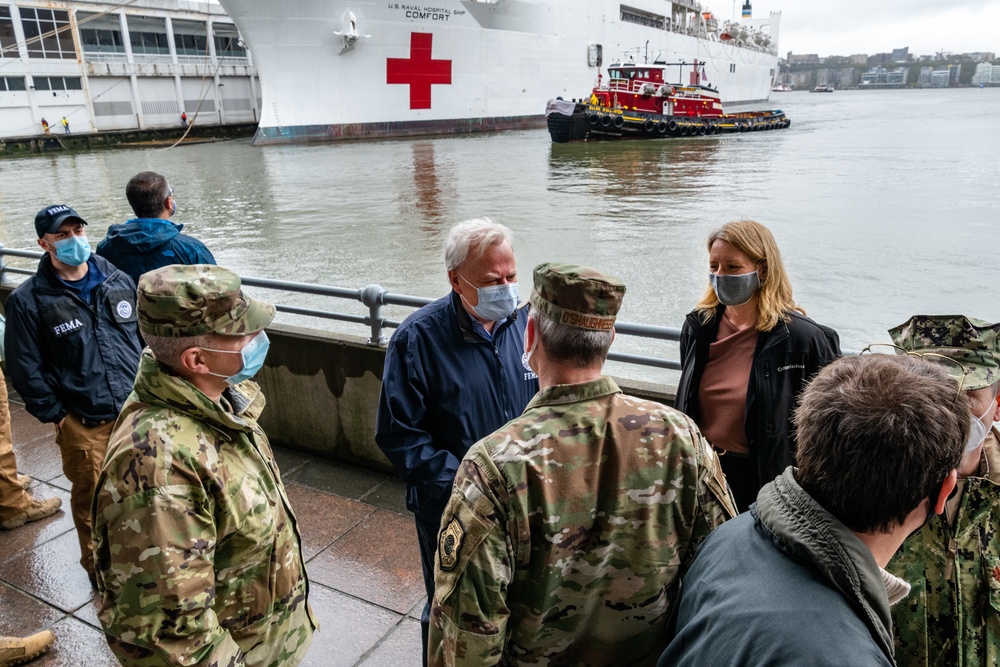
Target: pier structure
133, 65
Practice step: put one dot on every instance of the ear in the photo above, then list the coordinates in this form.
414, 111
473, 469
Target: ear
996, 408
613, 334
530, 332
762, 271
946, 488
453, 279
193, 360
41, 244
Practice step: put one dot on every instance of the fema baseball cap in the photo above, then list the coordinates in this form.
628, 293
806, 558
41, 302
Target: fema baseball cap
47, 220
975, 344
180, 301
577, 295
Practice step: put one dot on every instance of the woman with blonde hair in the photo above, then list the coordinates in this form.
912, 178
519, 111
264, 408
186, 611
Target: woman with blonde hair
747, 351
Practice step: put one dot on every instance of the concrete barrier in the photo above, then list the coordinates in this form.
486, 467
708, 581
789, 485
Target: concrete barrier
322, 392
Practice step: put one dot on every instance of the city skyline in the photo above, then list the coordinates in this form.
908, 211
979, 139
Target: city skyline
856, 26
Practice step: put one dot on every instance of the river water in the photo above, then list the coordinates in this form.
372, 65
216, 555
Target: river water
884, 204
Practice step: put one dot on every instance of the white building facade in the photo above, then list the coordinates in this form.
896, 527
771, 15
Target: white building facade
136, 65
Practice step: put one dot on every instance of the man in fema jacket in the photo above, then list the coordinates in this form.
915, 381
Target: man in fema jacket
454, 373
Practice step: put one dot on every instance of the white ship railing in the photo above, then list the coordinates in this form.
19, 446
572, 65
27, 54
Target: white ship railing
374, 297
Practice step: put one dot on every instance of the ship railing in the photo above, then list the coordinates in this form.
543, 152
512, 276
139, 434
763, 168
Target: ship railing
374, 297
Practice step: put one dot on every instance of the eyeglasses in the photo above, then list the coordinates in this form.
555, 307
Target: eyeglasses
950, 366
170, 193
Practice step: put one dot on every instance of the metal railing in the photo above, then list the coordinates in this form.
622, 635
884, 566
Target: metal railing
374, 297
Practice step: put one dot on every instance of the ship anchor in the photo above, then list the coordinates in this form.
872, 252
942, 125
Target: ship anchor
349, 31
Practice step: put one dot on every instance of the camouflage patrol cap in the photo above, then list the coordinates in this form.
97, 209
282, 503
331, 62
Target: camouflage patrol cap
179, 301
577, 295
975, 344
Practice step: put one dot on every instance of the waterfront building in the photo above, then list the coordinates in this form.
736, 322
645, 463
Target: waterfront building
135, 65
986, 74
880, 77
901, 55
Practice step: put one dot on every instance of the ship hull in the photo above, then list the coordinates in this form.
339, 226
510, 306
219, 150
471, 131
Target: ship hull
459, 66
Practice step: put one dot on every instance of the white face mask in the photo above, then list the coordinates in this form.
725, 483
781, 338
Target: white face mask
977, 434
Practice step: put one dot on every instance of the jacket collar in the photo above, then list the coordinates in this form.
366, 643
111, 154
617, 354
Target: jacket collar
157, 385
464, 320
800, 526
49, 282
562, 394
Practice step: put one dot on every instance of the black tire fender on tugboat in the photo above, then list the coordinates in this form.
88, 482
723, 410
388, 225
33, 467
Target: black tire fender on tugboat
672, 125
594, 119
649, 125
605, 121
618, 122
661, 127
702, 130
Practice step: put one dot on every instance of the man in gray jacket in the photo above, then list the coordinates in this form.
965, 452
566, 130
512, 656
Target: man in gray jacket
799, 579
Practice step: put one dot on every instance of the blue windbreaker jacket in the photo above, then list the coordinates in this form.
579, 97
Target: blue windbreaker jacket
144, 244
443, 388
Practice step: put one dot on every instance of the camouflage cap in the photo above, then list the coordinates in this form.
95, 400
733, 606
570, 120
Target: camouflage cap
577, 295
975, 344
178, 301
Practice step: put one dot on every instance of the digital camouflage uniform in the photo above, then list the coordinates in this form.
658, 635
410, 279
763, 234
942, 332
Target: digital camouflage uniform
952, 614
198, 555
568, 529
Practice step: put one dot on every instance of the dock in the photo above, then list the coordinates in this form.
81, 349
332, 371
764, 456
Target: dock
358, 540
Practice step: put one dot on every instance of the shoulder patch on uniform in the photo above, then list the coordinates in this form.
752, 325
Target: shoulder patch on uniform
450, 543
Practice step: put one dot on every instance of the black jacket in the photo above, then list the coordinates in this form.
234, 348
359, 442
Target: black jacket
65, 355
783, 584
785, 359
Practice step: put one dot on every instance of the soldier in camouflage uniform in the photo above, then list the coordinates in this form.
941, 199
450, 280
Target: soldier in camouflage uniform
569, 529
198, 555
952, 615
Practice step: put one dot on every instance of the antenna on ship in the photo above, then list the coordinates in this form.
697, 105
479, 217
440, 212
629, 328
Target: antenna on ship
747, 10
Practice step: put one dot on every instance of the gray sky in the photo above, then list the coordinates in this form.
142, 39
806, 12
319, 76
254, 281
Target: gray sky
843, 27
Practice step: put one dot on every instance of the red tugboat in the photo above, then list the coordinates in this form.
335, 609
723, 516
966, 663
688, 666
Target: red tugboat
638, 102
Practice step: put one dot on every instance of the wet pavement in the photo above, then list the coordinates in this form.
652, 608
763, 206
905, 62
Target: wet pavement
358, 540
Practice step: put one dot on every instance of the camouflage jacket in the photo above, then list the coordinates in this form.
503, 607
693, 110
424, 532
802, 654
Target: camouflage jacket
952, 614
197, 551
568, 530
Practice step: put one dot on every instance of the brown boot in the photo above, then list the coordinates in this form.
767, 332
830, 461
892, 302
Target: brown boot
38, 509
15, 650
24, 481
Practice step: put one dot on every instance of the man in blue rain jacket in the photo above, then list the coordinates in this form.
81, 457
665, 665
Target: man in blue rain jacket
454, 373
150, 241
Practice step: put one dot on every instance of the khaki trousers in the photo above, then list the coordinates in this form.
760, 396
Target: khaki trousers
13, 498
83, 449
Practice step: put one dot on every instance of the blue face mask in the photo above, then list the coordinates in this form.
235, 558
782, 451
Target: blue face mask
73, 251
253, 354
495, 302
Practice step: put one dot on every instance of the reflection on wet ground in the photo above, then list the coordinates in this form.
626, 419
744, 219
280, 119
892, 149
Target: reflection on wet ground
358, 540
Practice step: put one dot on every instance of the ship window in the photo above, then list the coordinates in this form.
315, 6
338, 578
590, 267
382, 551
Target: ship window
8, 43
57, 83
41, 83
47, 33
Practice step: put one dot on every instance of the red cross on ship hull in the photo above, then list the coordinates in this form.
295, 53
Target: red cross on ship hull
419, 71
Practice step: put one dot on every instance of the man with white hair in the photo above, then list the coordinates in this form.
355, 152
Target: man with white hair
454, 373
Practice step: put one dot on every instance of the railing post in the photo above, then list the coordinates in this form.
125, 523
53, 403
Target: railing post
372, 296
1, 263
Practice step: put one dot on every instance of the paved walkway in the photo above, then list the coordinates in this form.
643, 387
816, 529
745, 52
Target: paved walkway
359, 543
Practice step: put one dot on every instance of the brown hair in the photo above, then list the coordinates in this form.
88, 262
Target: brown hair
876, 435
756, 242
